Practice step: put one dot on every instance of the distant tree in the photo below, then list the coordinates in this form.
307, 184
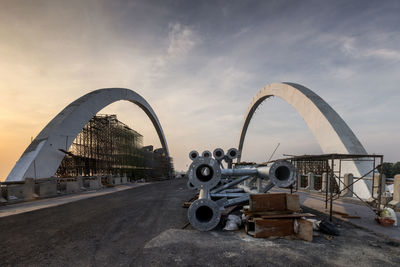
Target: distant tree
387, 169
396, 168
391, 169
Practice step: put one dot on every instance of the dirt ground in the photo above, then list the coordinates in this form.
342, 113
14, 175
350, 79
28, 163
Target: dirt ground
142, 227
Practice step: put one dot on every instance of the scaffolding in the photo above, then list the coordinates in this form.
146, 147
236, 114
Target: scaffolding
331, 164
106, 146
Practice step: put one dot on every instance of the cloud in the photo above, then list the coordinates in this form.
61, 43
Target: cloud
181, 40
350, 46
382, 53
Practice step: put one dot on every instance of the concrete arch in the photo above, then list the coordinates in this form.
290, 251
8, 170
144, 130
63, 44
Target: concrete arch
330, 130
42, 157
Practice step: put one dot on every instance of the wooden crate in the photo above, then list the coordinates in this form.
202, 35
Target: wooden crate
274, 202
259, 227
262, 228
277, 215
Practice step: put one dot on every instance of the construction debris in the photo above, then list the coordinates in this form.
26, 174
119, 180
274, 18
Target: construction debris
233, 223
217, 185
277, 215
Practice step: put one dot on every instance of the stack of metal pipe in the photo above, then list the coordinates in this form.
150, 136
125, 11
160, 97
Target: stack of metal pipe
224, 186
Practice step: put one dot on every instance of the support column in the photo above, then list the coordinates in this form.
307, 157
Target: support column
348, 179
310, 181
376, 184
324, 179
395, 203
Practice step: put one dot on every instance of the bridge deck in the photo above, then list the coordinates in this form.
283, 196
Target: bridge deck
142, 227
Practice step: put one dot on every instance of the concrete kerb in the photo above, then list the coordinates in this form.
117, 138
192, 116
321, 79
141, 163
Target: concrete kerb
22, 207
31, 189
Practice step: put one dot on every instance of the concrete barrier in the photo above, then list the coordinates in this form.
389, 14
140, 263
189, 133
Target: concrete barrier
109, 179
95, 183
376, 184
46, 188
347, 180
310, 181
72, 187
79, 179
124, 180
21, 192
300, 179
395, 203
324, 180
116, 180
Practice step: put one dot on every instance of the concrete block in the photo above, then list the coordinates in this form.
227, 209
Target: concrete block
396, 188
310, 181
324, 180
79, 179
21, 192
72, 187
47, 188
95, 184
376, 184
110, 179
124, 180
101, 180
300, 179
347, 180
117, 180
3, 200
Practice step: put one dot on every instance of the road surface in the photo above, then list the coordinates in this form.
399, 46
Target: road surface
142, 227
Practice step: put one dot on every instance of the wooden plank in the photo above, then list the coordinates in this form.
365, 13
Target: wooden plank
273, 227
249, 227
185, 225
187, 204
266, 213
267, 202
292, 202
340, 213
305, 231
351, 217
293, 215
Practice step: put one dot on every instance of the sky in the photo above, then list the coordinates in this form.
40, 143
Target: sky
199, 64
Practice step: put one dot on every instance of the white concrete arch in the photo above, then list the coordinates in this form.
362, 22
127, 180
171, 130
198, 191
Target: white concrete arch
42, 157
330, 130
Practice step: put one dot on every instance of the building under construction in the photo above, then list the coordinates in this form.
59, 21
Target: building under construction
106, 146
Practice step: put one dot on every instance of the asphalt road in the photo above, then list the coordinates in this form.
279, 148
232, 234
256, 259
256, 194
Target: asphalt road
102, 231
142, 227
